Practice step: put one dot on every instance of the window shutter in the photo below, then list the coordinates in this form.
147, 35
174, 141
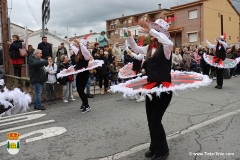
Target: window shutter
193, 37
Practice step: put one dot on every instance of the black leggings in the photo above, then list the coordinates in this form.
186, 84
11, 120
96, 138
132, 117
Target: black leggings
81, 81
105, 78
17, 70
219, 76
155, 109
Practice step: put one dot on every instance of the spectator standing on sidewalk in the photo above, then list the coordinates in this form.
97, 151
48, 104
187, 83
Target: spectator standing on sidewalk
37, 76
103, 40
61, 51
113, 68
116, 51
50, 84
102, 71
45, 47
30, 50
67, 84
16, 60
109, 54
177, 60
187, 59
234, 56
95, 49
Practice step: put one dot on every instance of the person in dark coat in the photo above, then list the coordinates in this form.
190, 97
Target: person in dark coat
14, 54
102, 71
38, 76
95, 49
45, 47
30, 51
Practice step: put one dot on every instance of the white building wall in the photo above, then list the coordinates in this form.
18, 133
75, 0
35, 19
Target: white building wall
17, 30
36, 39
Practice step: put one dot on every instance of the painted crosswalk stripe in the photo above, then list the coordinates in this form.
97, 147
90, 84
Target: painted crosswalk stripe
6, 117
26, 126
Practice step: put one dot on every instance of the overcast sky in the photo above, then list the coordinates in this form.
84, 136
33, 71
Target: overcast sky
81, 16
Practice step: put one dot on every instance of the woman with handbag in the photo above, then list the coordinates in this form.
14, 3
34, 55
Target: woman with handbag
14, 53
66, 81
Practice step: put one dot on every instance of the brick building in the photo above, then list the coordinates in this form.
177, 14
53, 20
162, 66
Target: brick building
194, 20
114, 25
210, 18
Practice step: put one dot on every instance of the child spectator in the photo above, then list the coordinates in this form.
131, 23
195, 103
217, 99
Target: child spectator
50, 84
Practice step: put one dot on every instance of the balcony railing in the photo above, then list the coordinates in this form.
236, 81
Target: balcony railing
113, 27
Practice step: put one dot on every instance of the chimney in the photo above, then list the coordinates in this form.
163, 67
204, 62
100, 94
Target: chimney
91, 31
122, 15
159, 6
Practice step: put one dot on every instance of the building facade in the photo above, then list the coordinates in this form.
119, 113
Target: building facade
194, 21
114, 26
207, 18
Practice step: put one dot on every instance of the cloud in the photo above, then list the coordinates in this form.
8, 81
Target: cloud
81, 16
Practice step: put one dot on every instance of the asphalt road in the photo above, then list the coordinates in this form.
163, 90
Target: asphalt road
203, 121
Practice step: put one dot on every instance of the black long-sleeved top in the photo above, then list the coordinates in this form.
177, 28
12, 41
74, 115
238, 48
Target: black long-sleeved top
46, 49
14, 49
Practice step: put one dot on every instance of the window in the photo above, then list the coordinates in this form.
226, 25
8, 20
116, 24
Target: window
230, 19
192, 14
129, 21
193, 37
230, 37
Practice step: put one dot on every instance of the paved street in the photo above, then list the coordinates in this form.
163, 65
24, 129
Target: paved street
204, 121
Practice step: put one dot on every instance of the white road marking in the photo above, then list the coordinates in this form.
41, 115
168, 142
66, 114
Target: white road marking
48, 132
27, 118
19, 114
26, 126
174, 135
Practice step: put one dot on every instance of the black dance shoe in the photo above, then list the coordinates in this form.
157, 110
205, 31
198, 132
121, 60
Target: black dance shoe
90, 96
160, 157
149, 154
219, 87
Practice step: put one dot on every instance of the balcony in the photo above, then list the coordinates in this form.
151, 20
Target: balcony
113, 27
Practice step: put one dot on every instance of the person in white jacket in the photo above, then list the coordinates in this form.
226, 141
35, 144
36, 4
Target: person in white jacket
50, 85
116, 51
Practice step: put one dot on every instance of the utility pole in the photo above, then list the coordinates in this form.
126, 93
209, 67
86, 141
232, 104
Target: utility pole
4, 33
67, 31
221, 24
45, 14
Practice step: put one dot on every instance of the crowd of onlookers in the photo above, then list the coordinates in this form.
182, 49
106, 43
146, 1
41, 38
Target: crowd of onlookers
191, 59
44, 65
